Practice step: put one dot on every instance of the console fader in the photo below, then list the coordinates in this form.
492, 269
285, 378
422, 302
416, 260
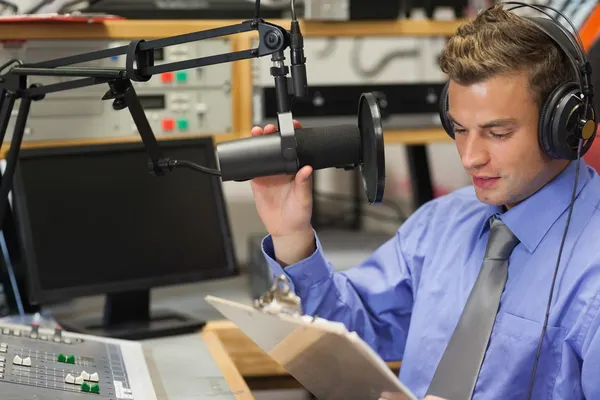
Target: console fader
44, 364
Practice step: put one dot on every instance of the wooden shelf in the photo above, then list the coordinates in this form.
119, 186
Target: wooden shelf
416, 136
110, 140
151, 29
407, 137
403, 27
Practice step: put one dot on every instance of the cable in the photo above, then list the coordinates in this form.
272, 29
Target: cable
562, 243
191, 165
293, 9
11, 276
380, 66
257, 9
11, 5
330, 45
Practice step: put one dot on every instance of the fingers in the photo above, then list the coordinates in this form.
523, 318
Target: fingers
256, 131
270, 128
303, 175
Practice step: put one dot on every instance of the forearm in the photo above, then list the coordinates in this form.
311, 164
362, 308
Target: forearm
292, 249
339, 297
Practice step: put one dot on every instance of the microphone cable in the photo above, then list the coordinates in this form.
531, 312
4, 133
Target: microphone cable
292, 9
172, 164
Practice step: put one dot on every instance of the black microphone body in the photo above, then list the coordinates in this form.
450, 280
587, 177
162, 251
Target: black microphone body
321, 147
339, 146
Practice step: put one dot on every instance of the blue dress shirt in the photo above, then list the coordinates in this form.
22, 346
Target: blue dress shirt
406, 298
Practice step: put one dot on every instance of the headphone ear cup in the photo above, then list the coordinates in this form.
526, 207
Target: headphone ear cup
443, 111
556, 131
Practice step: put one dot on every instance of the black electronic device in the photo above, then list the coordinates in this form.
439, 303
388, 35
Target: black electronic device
92, 222
44, 363
273, 40
395, 101
361, 10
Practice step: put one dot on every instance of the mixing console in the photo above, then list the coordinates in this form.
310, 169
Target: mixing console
51, 364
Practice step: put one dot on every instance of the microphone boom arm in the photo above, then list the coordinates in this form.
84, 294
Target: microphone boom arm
273, 40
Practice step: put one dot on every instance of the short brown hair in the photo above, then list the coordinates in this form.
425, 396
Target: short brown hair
499, 41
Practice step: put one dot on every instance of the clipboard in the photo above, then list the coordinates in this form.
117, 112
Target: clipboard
328, 360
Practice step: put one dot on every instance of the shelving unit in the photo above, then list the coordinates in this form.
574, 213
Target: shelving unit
415, 140
241, 70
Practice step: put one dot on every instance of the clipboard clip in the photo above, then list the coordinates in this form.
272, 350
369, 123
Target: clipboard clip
280, 298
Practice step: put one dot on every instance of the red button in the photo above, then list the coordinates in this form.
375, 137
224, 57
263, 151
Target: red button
168, 124
167, 77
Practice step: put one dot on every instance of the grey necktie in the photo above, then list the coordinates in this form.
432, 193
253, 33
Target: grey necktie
457, 372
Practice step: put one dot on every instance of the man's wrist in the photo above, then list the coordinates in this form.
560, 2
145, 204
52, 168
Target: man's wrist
293, 248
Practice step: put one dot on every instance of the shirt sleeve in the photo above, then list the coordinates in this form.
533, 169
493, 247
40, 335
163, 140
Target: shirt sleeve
375, 298
590, 368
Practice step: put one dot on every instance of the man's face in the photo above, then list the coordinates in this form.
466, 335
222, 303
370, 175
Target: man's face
495, 124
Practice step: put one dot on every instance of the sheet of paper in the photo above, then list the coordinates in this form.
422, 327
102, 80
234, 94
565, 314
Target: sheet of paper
325, 358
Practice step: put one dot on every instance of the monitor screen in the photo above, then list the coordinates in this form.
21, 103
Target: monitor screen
93, 220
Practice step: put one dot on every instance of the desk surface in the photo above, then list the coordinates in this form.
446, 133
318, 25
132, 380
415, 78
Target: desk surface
243, 364
194, 367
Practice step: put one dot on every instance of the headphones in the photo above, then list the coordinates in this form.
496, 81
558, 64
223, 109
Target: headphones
567, 114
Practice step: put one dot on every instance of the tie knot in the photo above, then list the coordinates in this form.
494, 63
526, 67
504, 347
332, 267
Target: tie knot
501, 241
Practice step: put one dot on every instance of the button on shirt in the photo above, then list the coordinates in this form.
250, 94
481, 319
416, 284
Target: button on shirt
407, 297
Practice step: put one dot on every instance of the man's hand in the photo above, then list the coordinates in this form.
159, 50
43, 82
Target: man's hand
399, 396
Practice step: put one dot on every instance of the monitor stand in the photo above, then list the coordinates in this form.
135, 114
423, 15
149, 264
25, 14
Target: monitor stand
127, 316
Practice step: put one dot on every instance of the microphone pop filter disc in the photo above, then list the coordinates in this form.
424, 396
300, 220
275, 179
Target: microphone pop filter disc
373, 152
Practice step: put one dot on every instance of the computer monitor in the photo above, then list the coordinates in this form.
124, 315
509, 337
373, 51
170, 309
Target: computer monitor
93, 220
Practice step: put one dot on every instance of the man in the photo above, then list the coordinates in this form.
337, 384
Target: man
406, 299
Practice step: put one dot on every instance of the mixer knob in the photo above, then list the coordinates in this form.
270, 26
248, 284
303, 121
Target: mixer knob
70, 379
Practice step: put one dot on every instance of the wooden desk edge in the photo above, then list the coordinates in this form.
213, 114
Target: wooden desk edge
232, 376
217, 326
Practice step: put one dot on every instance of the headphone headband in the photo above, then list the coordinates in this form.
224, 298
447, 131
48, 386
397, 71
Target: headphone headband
567, 114
558, 33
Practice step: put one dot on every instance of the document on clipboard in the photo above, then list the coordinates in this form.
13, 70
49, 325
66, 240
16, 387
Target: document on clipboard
328, 360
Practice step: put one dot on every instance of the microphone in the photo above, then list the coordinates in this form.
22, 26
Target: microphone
339, 146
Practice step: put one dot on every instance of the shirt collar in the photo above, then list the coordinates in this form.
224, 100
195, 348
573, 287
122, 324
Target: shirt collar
531, 219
